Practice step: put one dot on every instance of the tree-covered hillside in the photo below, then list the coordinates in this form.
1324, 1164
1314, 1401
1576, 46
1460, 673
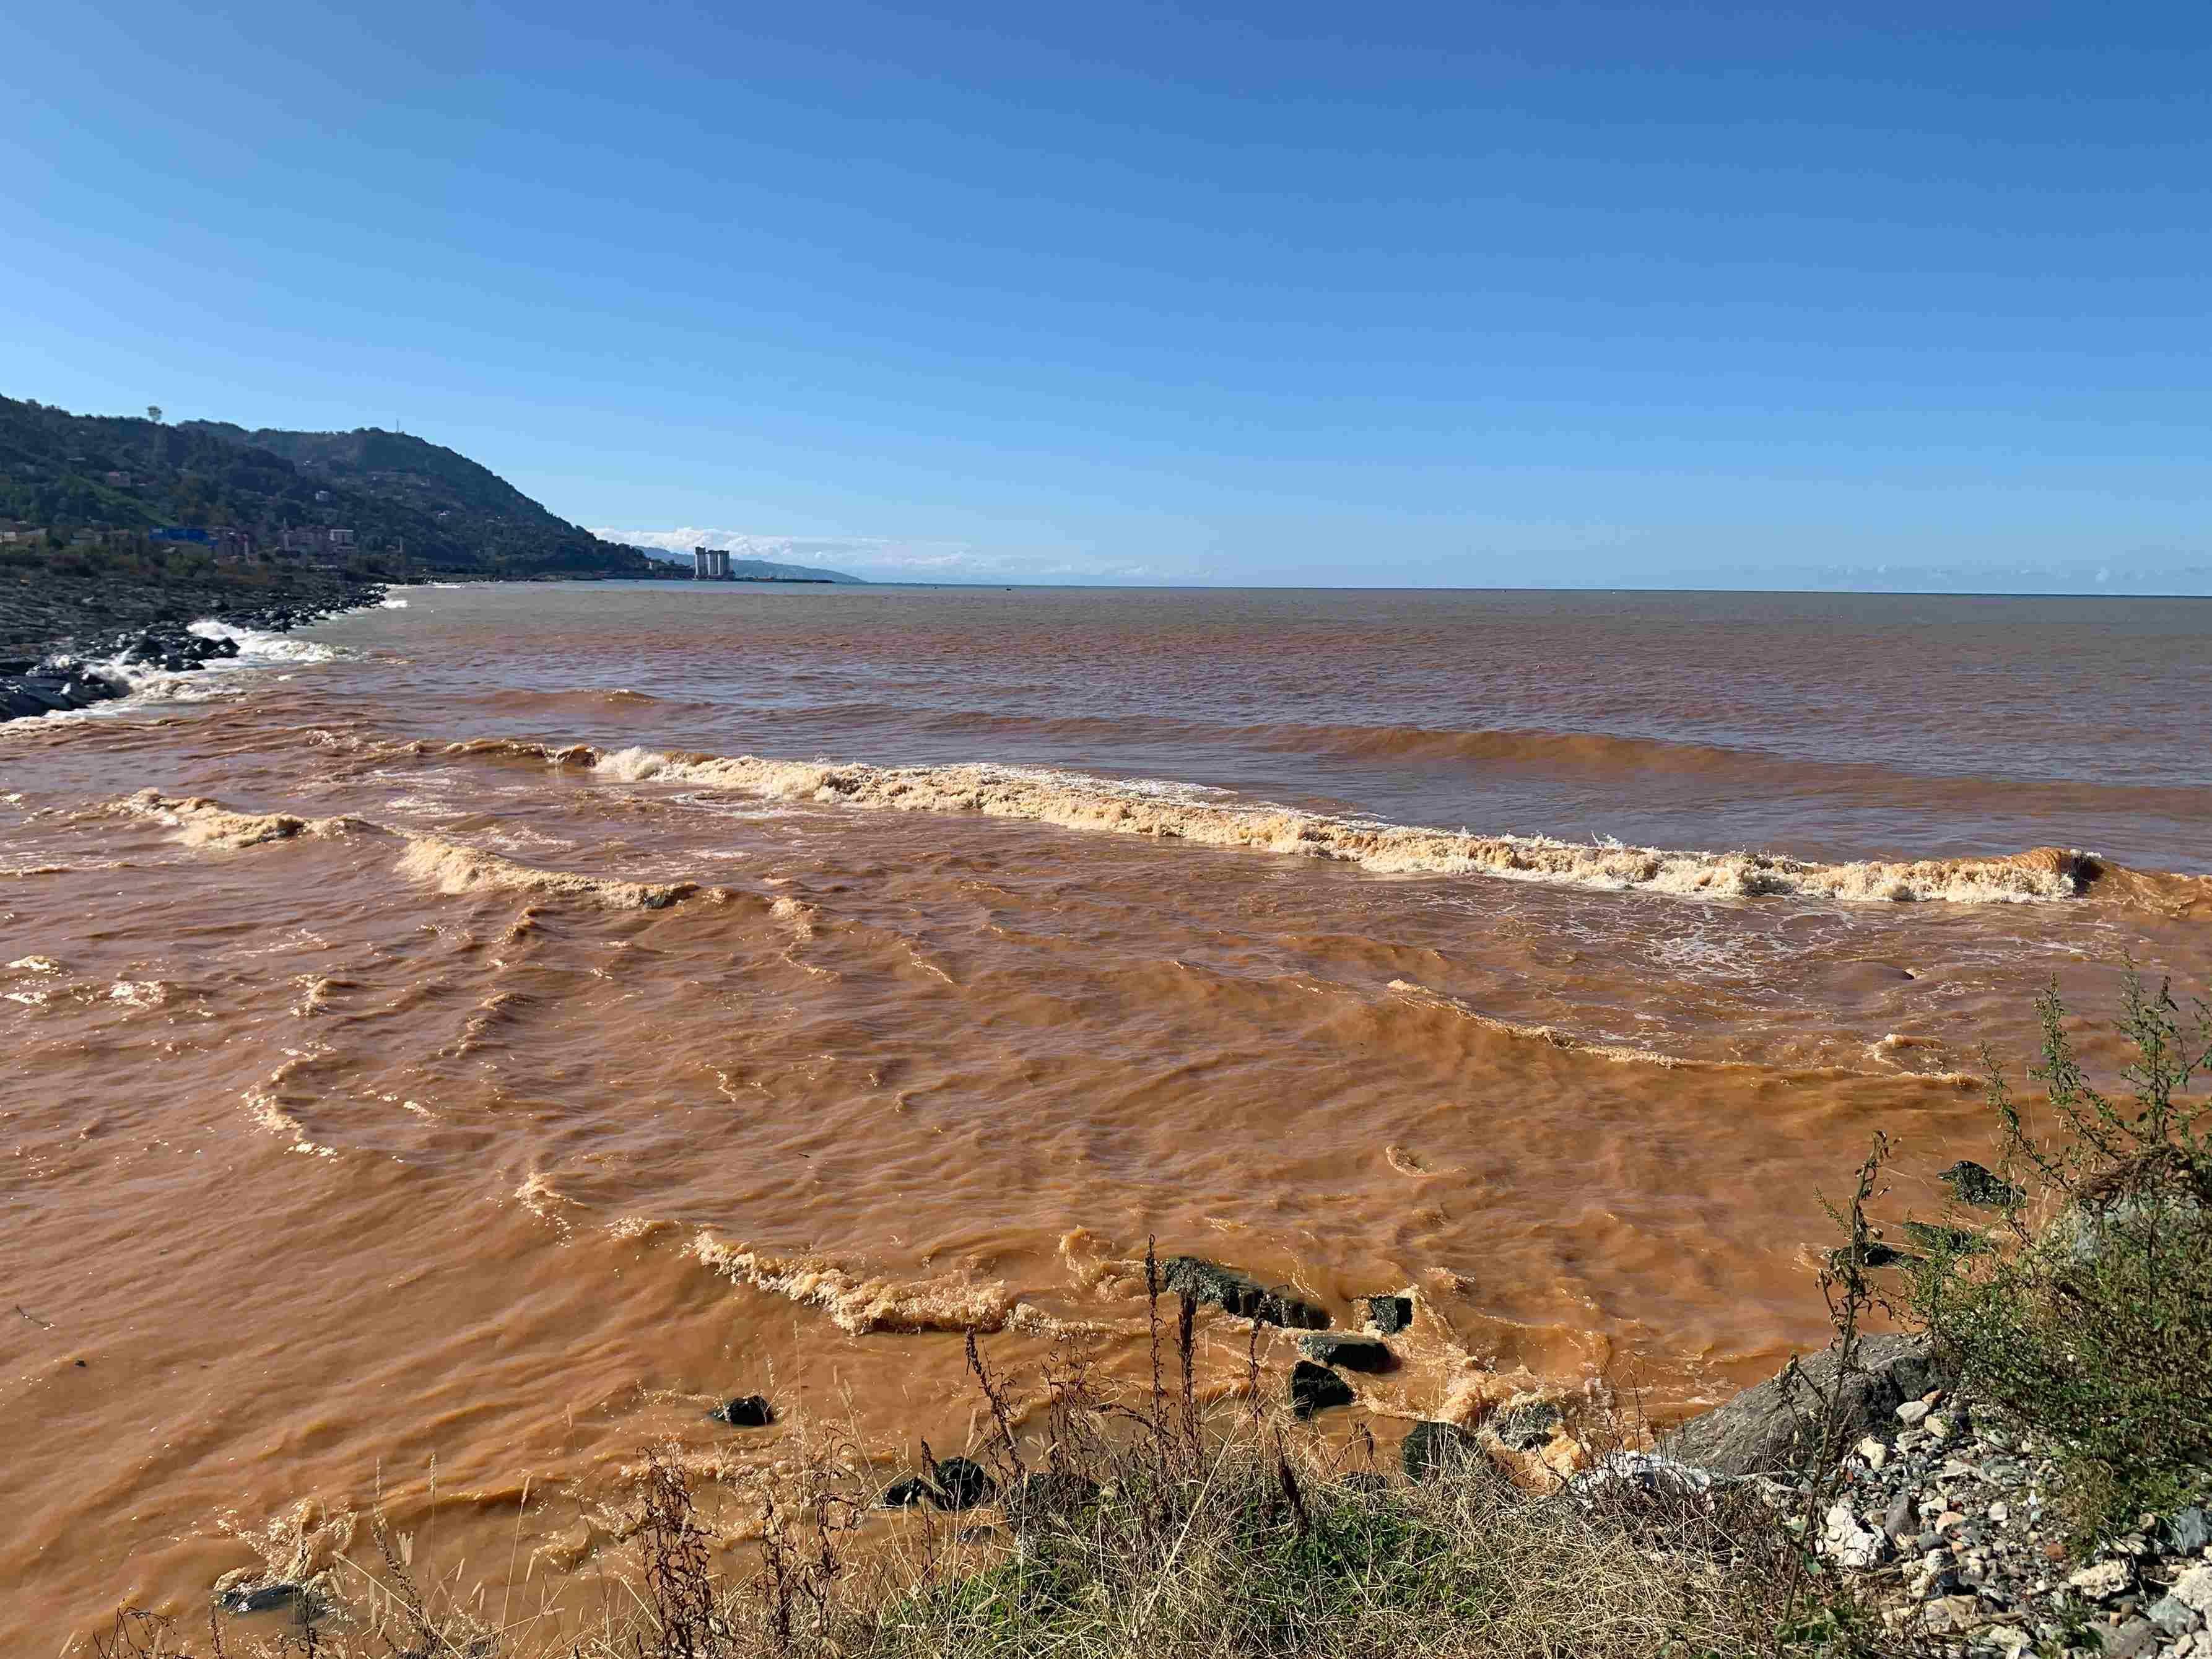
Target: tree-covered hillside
411, 505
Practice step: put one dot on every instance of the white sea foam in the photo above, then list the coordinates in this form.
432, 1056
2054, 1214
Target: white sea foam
255, 646
1170, 812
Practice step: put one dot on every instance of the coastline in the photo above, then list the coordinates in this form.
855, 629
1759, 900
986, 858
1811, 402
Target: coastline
153, 631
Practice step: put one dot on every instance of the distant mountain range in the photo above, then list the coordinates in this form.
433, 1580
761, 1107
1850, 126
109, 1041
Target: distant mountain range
410, 504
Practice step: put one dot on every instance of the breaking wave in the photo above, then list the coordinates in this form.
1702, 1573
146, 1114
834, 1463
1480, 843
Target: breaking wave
204, 822
256, 646
859, 1303
450, 866
1167, 812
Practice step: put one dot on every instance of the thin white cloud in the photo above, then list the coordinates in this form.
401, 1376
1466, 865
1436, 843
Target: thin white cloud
890, 556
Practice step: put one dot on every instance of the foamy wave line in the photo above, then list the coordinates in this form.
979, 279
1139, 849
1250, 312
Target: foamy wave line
255, 645
1076, 802
861, 1303
447, 866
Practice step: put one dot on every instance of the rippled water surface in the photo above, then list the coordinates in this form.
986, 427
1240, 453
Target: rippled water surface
491, 1029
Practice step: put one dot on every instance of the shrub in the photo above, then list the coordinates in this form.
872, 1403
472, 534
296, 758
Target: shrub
2092, 1318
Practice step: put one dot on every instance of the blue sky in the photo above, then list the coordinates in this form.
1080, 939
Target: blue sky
1466, 294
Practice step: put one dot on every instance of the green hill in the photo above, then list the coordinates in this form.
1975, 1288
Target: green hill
413, 506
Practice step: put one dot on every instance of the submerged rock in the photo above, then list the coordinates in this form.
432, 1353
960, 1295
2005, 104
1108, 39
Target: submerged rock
963, 1484
1238, 1293
752, 1412
1525, 1427
956, 1483
1982, 1188
1354, 1353
263, 1598
1389, 1314
1316, 1389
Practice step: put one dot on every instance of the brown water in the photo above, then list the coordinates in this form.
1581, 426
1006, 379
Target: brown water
501, 1026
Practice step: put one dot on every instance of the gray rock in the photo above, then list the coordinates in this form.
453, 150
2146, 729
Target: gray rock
1899, 1519
263, 1598
1238, 1293
1390, 1314
2131, 1640
1355, 1353
2188, 1532
1777, 1425
1982, 1188
2173, 1615
2087, 1231
1528, 1425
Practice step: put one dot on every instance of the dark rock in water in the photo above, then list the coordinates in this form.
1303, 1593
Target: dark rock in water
909, 1492
1234, 1293
1043, 1499
752, 1412
17, 704
963, 1484
1354, 1353
1390, 1314
1873, 1253
1983, 1188
44, 695
953, 1484
1775, 1425
262, 1599
1528, 1425
1316, 1389
1946, 1241
1434, 1451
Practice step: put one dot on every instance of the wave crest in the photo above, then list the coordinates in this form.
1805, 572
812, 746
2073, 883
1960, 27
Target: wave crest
1075, 802
450, 866
859, 1303
206, 823
453, 868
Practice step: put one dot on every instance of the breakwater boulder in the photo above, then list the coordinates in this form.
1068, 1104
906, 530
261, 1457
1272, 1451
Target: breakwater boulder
951, 1483
1776, 1425
97, 670
750, 1411
1316, 1389
1351, 1354
1211, 1283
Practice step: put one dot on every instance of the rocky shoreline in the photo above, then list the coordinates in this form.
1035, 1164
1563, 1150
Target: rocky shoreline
1941, 1517
1944, 1520
81, 671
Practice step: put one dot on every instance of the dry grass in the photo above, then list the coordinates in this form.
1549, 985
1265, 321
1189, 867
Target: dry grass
1151, 1528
